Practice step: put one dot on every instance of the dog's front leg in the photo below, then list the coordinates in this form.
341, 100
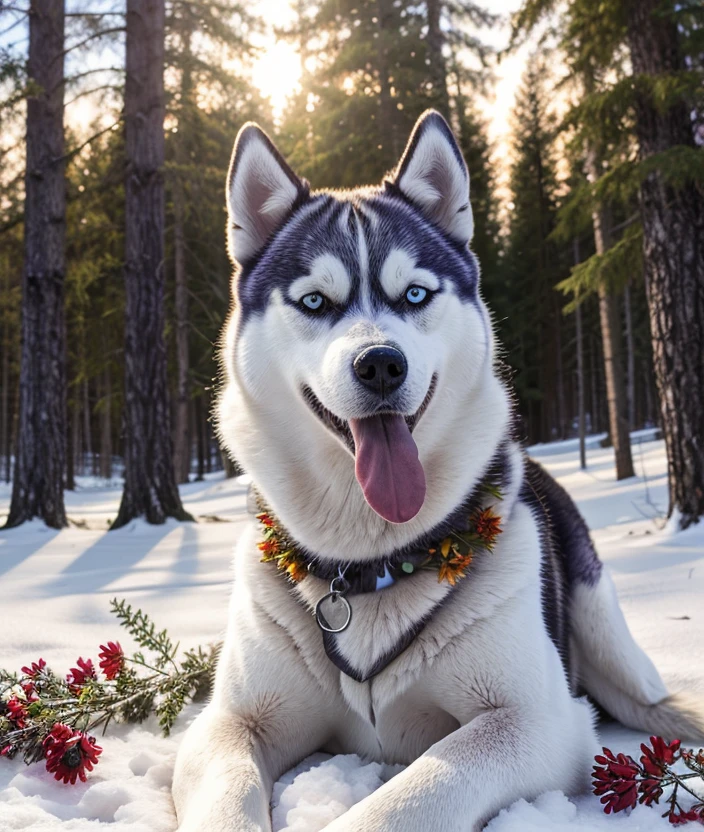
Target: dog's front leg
222, 781
461, 782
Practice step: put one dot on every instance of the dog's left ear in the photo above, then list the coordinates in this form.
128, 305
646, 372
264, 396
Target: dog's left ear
433, 175
261, 191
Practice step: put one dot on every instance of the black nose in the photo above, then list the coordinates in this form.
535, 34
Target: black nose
382, 369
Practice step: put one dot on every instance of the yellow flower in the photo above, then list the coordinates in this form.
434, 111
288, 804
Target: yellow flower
292, 566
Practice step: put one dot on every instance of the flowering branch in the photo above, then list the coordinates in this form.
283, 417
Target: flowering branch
623, 783
46, 716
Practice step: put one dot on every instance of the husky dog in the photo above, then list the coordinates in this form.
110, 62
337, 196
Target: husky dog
361, 393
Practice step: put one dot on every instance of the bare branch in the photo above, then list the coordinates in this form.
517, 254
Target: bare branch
94, 36
76, 150
95, 14
12, 25
91, 91
80, 75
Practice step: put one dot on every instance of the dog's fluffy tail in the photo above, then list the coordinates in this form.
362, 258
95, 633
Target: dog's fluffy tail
619, 676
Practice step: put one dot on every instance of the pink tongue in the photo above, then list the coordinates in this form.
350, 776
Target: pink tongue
387, 466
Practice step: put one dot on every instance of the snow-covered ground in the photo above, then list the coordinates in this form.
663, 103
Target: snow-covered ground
55, 589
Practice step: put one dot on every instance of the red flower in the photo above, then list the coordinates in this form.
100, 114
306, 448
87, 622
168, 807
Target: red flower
677, 818
17, 711
69, 753
112, 659
35, 670
269, 548
650, 790
78, 676
655, 759
265, 520
8, 751
488, 526
615, 779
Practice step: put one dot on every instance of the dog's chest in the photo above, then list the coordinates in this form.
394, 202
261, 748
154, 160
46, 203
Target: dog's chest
392, 731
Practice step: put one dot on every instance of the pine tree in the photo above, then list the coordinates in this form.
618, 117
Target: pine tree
673, 253
201, 40
38, 478
150, 489
663, 40
524, 301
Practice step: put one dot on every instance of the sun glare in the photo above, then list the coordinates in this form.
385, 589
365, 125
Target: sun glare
276, 73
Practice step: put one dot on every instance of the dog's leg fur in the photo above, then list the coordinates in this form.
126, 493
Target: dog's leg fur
466, 778
268, 712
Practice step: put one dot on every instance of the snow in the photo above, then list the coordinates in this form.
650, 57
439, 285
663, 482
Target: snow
56, 588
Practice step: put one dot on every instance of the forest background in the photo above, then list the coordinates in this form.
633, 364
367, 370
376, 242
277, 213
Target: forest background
589, 213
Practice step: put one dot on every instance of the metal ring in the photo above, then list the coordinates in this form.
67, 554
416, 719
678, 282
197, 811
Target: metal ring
320, 618
343, 588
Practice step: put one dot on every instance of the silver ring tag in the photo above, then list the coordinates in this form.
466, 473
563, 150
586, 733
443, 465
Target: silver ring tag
333, 612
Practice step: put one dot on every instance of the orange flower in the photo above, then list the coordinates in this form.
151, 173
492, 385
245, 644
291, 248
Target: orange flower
292, 566
488, 526
269, 549
463, 561
452, 570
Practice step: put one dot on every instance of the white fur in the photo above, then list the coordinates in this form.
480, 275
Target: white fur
400, 271
327, 275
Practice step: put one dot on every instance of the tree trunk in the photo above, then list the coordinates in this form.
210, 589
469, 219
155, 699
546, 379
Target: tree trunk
5, 381
70, 484
437, 67
182, 445
41, 443
150, 487
200, 436
594, 377
231, 470
182, 449
673, 253
611, 335
630, 358
560, 374
87, 433
106, 426
581, 420
76, 443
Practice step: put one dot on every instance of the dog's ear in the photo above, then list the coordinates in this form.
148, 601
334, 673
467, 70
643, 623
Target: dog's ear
261, 190
433, 175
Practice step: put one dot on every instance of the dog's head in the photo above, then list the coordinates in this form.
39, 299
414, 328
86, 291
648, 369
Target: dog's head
358, 337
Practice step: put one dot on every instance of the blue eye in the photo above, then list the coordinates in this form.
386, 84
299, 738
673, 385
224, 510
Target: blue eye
314, 301
416, 294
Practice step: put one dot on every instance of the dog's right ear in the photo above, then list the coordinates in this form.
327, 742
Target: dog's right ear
261, 190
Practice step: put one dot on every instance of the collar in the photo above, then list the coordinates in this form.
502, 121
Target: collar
449, 550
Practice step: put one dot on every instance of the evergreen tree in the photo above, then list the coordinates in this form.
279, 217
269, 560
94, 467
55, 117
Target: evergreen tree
150, 488
524, 300
376, 66
201, 40
673, 254
663, 40
38, 478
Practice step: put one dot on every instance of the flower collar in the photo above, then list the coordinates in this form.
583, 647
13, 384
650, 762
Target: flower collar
450, 555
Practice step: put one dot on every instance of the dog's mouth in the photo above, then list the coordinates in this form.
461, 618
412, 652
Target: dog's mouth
386, 457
